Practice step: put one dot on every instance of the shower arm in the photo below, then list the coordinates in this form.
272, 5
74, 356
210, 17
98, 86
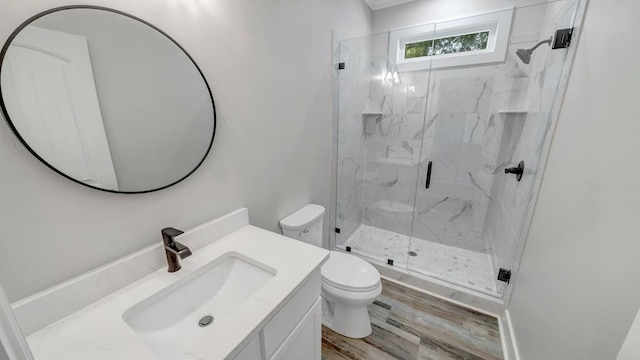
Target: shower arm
548, 41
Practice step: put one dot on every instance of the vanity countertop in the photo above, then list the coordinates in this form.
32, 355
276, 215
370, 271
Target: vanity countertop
99, 332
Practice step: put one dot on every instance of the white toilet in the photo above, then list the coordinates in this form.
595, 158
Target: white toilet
349, 284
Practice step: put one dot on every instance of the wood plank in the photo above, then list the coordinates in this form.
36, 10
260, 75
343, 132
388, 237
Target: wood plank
411, 325
439, 331
434, 318
379, 311
356, 349
392, 343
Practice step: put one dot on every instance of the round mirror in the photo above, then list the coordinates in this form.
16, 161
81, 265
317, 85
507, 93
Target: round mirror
106, 99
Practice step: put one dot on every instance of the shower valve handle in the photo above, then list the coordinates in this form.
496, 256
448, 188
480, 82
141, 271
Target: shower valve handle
517, 171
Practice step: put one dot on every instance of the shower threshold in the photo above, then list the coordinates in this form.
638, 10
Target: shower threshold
466, 268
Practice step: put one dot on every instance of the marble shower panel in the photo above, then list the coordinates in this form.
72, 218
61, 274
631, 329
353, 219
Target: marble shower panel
393, 144
458, 121
528, 135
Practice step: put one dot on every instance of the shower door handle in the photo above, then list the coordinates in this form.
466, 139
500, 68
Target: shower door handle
428, 182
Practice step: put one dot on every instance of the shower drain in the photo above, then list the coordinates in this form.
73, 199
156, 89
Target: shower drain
205, 321
412, 253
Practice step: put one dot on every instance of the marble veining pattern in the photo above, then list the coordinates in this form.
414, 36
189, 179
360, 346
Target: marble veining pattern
351, 90
459, 266
470, 122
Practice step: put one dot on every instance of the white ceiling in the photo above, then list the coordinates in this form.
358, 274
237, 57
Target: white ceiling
379, 4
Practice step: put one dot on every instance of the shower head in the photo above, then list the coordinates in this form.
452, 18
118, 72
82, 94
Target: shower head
525, 54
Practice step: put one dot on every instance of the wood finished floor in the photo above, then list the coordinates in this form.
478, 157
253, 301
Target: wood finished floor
411, 325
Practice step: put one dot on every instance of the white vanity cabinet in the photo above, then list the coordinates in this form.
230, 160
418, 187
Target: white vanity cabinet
265, 303
295, 332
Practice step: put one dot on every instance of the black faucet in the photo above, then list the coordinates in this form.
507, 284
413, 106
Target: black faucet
173, 249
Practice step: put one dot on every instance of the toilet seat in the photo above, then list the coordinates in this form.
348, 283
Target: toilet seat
349, 273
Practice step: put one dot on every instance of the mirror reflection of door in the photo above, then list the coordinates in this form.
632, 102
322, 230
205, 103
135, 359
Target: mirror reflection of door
53, 93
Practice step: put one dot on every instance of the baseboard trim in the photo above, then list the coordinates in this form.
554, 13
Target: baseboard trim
513, 353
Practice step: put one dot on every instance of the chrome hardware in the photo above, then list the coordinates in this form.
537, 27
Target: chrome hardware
205, 321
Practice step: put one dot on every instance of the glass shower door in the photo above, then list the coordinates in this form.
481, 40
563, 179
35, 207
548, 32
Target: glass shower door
353, 77
454, 183
481, 120
462, 151
380, 120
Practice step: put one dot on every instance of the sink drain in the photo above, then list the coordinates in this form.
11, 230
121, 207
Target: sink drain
205, 321
412, 253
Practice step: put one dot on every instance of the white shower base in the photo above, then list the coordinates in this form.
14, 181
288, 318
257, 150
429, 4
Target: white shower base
462, 267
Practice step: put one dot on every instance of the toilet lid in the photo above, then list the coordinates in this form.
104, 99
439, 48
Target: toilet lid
350, 273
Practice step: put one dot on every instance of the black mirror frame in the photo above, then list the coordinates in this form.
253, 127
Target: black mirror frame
22, 140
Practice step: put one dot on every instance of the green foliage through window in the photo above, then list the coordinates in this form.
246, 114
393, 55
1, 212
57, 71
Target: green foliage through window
447, 45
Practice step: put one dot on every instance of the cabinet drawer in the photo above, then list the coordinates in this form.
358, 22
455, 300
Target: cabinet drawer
279, 328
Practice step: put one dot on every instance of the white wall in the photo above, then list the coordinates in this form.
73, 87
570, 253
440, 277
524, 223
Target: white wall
428, 11
268, 63
577, 291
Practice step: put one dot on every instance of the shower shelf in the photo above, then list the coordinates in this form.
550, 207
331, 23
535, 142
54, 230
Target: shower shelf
513, 112
394, 207
369, 176
401, 162
371, 113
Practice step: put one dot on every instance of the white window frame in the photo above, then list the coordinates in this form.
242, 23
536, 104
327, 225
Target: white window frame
497, 23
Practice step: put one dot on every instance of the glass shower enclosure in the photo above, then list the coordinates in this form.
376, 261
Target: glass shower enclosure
421, 151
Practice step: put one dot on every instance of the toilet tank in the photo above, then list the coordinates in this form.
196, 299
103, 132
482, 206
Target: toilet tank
305, 224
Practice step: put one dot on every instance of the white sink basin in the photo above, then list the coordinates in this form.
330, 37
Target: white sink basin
170, 320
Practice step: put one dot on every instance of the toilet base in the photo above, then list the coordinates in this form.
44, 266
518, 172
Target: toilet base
353, 323
346, 313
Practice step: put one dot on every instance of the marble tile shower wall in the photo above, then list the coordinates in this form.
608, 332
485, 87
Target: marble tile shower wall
463, 137
507, 217
393, 135
392, 141
466, 139
353, 90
